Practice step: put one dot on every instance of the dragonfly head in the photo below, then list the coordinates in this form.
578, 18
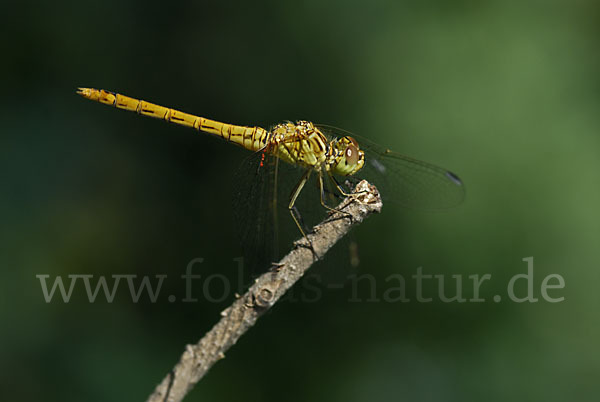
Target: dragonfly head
348, 158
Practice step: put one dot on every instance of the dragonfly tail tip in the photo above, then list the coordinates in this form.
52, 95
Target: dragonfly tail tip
85, 92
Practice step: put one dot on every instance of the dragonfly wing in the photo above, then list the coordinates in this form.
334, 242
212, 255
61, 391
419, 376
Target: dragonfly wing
255, 213
400, 179
413, 183
262, 188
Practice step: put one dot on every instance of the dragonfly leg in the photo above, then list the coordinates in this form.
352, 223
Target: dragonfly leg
294, 211
294, 195
341, 190
276, 267
298, 215
322, 193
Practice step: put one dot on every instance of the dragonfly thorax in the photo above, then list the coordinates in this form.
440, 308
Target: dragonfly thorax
299, 144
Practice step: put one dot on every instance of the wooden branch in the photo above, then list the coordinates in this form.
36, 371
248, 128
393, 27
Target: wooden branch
262, 295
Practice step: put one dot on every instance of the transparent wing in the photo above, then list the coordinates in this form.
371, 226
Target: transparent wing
255, 212
403, 180
262, 188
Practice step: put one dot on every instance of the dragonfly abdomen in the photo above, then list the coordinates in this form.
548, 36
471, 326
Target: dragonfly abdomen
251, 138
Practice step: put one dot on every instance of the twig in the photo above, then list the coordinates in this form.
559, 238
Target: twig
267, 289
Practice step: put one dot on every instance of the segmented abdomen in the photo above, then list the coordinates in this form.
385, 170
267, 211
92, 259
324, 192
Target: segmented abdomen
251, 138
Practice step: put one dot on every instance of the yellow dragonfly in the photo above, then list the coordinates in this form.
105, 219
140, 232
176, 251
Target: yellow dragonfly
327, 152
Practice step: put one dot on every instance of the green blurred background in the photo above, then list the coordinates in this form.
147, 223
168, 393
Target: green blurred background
505, 93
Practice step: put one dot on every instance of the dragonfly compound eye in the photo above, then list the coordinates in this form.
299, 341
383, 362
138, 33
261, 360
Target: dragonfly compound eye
351, 154
350, 159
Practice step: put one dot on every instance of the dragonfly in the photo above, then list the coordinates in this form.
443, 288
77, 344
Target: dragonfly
332, 155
